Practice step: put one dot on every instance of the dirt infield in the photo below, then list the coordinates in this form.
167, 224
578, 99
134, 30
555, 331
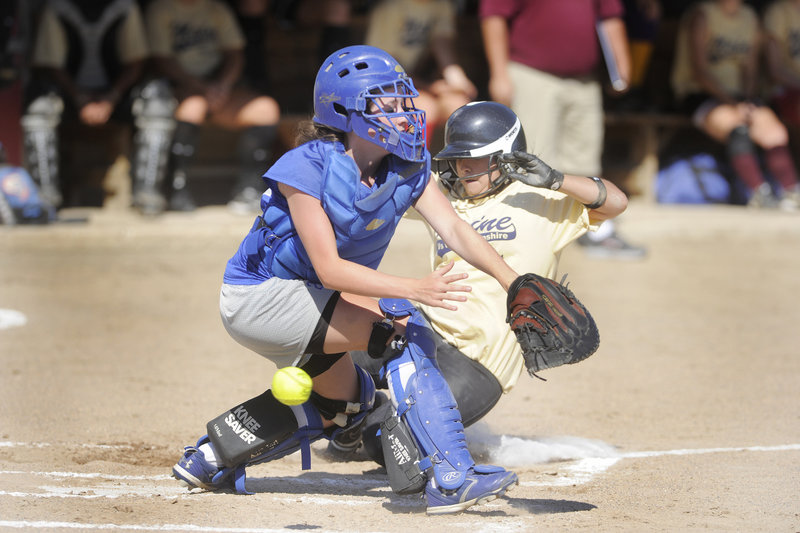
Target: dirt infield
112, 357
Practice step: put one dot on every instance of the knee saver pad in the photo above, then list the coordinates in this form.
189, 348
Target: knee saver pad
423, 400
739, 141
263, 429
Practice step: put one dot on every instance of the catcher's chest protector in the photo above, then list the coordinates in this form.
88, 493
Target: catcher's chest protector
363, 221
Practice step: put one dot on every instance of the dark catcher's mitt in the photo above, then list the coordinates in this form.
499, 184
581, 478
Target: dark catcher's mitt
552, 326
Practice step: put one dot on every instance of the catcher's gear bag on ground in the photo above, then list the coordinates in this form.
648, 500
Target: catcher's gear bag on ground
552, 326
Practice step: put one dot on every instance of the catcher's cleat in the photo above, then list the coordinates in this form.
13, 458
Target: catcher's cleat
483, 484
196, 472
349, 440
345, 445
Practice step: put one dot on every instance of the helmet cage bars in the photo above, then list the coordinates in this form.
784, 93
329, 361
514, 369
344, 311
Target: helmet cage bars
378, 110
358, 88
505, 143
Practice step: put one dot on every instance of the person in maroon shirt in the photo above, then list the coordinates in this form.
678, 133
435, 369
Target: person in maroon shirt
544, 58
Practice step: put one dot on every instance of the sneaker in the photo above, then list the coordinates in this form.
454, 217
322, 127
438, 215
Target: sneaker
181, 200
790, 201
196, 472
346, 445
51, 195
246, 201
479, 487
348, 441
763, 198
149, 202
612, 247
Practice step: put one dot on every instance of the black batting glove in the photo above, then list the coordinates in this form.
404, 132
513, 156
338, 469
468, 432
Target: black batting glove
530, 170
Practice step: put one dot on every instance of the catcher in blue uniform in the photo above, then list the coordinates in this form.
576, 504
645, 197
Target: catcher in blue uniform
303, 289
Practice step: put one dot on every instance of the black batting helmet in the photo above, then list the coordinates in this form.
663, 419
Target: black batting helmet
475, 130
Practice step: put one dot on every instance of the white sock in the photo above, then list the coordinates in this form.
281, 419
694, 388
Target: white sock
208, 453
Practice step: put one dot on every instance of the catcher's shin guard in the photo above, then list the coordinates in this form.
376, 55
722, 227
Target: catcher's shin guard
425, 404
153, 110
40, 139
263, 429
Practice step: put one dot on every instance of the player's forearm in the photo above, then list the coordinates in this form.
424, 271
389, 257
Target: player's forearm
233, 68
750, 77
346, 276
66, 84
617, 36
587, 191
780, 72
130, 74
495, 42
171, 69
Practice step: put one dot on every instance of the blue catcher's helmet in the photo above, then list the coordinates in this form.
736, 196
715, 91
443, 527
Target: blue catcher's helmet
354, 77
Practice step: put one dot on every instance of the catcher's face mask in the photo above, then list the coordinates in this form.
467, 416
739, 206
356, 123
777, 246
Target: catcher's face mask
348, 93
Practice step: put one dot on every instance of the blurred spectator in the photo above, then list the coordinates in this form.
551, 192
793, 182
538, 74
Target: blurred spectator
252, 17
543, 58
87, 56
16, 40
782, 27
198, 47
333, 17
421, 34
715, 80
642, 18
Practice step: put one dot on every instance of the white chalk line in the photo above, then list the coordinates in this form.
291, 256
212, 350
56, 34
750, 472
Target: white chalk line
587, 468
11, 444
582, 471
36, 525
496, 526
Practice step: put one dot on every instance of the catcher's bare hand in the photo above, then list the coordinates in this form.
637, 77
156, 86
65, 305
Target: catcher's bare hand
531, 170
438, 287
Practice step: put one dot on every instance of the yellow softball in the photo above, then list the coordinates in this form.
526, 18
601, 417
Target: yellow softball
291, 385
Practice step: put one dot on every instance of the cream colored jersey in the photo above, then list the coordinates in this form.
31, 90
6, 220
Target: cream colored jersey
782, 21
52, 46
731, 40
195, 33
529, 227
405, 28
